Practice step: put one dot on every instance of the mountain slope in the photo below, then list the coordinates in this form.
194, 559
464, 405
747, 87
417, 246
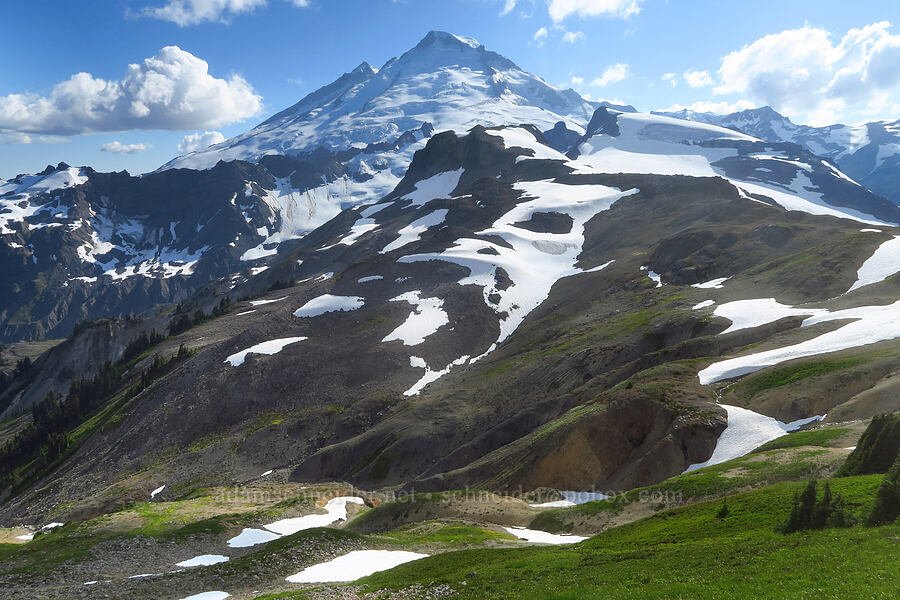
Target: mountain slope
868, 153
497, 317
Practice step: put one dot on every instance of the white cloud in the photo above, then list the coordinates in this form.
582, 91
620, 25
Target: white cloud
508, 7
199, 141
194, 12
805, 74
540, 35
622, 9
576, 80
719, 108
697, 79
117, 147
612, 74
570, 37
172, 91
671, 78
17, 137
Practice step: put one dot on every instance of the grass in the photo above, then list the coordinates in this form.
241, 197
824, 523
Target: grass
781, 376
453, 535
754, 470
684, 553
816, 437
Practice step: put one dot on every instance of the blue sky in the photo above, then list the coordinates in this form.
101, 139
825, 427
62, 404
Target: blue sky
818, 62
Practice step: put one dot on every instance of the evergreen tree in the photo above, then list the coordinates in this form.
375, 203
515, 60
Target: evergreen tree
887, 502
822, 510
723, 512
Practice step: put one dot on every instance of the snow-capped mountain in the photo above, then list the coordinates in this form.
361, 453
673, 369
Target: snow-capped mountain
377, 118
868, 153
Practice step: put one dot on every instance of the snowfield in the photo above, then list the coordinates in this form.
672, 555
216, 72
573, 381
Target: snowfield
354, 565
412, 232
203, 561
746, 314
335, 510
327, 303
535, 261
869, 324
881, 265
271, 347
251, 537
542, 537
746, 431
425, 319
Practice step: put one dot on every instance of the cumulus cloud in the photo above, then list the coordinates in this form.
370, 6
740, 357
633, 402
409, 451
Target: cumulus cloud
117, 147
719, 108
612, 74
570, 37
622, 9
808, 73
576, 80
199, 141
671, 78
508, 7
540, 36
697, 79
172, 91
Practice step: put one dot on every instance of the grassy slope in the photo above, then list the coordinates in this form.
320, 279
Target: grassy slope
687, 553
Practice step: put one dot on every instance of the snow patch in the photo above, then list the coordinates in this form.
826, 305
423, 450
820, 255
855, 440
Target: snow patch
542, 537
425, 319
335, 510
354, 565
251, 537
203, 560
412, 232
328, 303
269, 348
881, 265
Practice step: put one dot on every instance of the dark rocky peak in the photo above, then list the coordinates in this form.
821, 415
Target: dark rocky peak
560, 137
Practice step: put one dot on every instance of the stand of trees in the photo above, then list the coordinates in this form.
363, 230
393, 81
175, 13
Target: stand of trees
808, 513
184, 321
54, 418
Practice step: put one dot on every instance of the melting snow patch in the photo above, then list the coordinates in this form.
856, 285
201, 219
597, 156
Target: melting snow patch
712, 284
359, 228
412, 232
335, 510
25, 537
144, 575
328, 303
267, 473
881, 265
251, 537
867, 230
271, 347
209, 596
583, 497
157, 491
263, 302
746, 431
354, 565
654, 276
369, 278
246, 312
870, 324
542, 537
704, 304
553, 504
50, 526
745, 314
425, 319
203, 561
436, 186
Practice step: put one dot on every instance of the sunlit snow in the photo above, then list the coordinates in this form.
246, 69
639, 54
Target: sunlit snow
203, 560
271, 347
542, 537
328, 303
335, 510
354, 565
425, 319
881, 265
